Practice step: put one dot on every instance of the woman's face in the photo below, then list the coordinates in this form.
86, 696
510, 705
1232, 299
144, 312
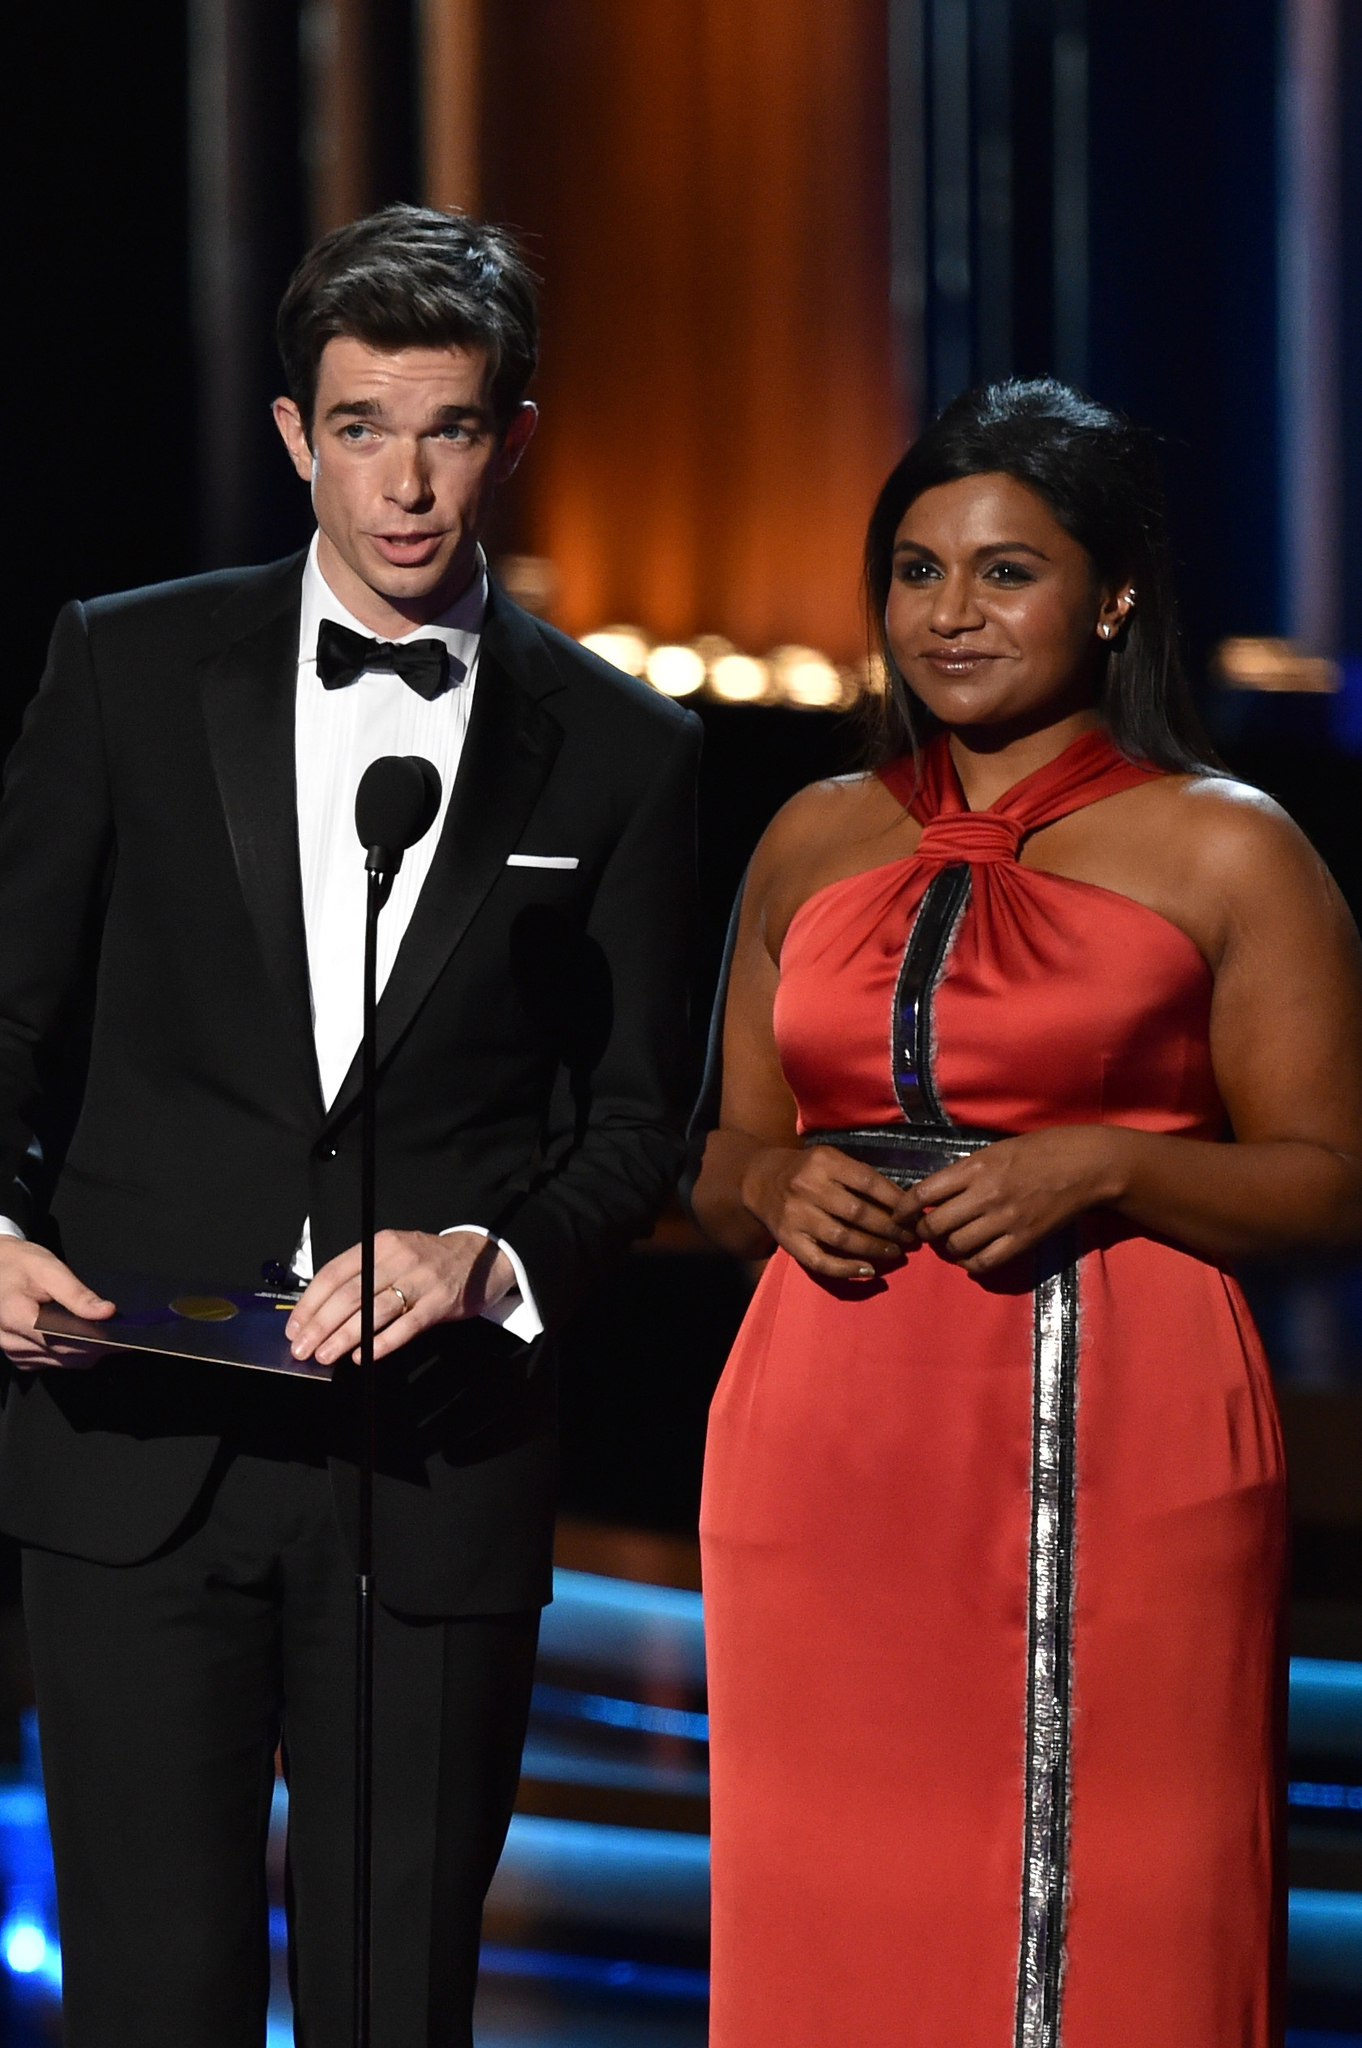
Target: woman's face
994, 611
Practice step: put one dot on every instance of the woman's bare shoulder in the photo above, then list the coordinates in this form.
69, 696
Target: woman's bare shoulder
822, 819
828, 830
1213, 855
1228, 831
1241, 864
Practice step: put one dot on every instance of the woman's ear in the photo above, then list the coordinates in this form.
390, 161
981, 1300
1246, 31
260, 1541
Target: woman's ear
1115, 608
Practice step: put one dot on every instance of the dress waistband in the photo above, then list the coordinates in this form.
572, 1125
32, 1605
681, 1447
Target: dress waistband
905, 1153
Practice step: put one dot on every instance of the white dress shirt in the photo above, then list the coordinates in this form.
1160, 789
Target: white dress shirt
337, 734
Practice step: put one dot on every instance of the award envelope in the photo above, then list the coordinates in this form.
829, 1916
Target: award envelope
214, 1328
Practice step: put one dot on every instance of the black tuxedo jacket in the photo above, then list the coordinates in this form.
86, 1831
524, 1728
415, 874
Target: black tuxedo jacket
533, 1045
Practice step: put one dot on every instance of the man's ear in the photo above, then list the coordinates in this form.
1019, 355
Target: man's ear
515, 438
289, 421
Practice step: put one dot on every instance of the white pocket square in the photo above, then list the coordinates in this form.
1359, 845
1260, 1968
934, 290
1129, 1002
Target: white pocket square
541, 860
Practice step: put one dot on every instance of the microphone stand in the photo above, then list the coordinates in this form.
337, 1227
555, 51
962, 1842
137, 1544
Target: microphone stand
396, 803
379, 876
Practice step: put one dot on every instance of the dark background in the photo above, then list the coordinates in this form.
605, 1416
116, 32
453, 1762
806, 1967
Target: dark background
106, 428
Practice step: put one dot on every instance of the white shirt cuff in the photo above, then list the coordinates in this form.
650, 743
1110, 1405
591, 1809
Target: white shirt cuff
516, 1310
9, 1228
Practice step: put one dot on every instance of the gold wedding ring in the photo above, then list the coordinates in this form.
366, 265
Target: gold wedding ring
400, 1295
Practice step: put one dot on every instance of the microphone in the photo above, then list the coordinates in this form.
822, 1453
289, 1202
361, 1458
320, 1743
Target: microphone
396, 804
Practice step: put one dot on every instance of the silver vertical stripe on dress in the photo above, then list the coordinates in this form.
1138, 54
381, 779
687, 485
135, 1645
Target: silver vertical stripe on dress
1049, 1662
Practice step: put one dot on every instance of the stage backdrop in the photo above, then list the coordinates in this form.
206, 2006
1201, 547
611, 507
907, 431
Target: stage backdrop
705, 189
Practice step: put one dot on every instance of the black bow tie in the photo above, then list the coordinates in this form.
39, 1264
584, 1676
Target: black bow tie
424, 665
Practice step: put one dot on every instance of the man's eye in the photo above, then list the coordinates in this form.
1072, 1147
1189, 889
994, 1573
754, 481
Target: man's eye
455, 434
354, 431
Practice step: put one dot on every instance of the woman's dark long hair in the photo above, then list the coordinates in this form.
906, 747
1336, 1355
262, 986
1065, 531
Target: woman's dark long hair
1099, 476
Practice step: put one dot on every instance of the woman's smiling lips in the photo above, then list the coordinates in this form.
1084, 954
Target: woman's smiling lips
956, 661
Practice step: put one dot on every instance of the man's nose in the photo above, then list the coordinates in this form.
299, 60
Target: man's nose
408, 480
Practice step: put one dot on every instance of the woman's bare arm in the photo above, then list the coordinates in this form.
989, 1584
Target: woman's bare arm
758, 1186
1286, 1040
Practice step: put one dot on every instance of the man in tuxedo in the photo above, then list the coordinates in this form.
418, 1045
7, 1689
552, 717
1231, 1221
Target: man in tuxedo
181, 899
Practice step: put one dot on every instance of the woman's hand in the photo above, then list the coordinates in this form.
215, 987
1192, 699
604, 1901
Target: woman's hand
1004, 1199
829, 1212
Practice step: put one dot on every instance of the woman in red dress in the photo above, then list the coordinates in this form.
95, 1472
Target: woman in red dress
994, 1519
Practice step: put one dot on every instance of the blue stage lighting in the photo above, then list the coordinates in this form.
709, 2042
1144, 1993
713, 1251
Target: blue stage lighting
1326, 1706
560, 1702
29, 1951
649, 1980
25, 1947
1340, 1798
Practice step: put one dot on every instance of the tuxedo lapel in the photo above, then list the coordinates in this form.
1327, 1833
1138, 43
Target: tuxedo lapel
507, 755
248, 689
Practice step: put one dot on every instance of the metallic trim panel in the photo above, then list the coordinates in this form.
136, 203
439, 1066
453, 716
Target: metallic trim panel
1045, 1852
924, 961
904, 1153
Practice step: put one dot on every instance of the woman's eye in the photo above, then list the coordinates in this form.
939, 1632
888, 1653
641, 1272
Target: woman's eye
916, 572
1009, 573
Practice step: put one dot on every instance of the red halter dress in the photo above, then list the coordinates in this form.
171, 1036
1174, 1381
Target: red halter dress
993, 1567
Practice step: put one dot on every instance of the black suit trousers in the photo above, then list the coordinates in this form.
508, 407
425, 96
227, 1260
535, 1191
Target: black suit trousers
163, 1691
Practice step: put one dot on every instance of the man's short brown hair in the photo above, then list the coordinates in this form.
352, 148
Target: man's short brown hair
412, 277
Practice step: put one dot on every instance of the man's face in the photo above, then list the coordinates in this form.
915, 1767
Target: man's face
403, 460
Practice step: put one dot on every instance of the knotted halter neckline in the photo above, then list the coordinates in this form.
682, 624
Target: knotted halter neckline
1089, 769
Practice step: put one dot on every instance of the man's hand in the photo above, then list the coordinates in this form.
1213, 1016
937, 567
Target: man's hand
29, 1276
419, 1280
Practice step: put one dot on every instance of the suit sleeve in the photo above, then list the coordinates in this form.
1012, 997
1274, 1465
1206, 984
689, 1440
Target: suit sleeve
56, 846
616, 1138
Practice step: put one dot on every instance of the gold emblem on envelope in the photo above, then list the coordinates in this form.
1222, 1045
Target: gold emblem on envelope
203, 1308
